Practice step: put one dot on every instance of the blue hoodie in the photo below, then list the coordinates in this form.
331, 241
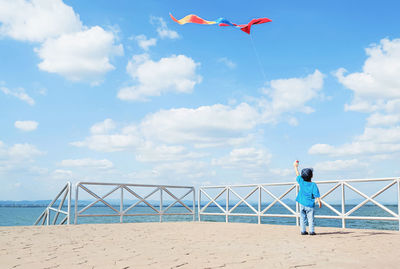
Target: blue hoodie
308, 192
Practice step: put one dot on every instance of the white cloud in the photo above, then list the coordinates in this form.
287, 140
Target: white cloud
187, 169
244, 158
393, 106
171, 74
378, 119
377, 91
62, 174
185, 138
80, 56
164, 153
162, 28
18, 152
290, 96
26, 126
230, 64
103, 127
321, 149
20, 94
162, 135
246, 163
145, 43
67, 47
36, 20
102, 140
372, 141
339, 165
379, 80
87, 163
282, 172
23, 151
207, 125
381, 135
109, 142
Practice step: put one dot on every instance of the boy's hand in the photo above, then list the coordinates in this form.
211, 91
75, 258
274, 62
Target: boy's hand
296, 165
319, 202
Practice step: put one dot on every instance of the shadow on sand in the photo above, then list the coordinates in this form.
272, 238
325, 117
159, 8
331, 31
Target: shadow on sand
361, 234
372, 233
338, 232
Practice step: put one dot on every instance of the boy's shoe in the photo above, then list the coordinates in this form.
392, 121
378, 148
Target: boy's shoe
304, 233
313, 233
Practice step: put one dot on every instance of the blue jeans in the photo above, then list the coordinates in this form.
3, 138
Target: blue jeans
308, 212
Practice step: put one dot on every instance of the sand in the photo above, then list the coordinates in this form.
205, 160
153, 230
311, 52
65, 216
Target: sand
195, 245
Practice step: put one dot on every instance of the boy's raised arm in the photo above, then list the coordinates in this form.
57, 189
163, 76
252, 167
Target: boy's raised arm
296, 167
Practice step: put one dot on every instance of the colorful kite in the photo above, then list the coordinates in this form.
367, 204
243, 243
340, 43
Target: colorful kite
221, 22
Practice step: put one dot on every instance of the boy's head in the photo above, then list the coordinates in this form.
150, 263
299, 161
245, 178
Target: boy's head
307, 174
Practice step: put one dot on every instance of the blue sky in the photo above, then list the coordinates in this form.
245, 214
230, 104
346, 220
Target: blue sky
116, 91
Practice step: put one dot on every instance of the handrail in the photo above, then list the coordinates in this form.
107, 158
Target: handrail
130, 190
263, 188
45, 216
226, 210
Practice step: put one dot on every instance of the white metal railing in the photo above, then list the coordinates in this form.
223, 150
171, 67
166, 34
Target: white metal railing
227, 209
45, 217
130, 189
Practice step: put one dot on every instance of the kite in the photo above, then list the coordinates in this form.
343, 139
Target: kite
221, 22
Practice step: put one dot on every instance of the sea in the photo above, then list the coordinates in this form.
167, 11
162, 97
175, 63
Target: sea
26, 215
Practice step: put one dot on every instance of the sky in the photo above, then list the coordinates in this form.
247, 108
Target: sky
115, 91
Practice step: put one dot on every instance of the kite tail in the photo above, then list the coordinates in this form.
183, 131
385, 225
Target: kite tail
191, 19
221, 22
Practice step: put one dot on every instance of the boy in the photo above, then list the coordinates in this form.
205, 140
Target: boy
308, 192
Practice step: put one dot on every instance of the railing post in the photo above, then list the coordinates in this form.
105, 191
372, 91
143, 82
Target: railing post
199, 205
194, 204
48, 217
121, 206
161, 203
398, 200
297, 207
69, 203
227, 205
76, 203
259, 204
343, 207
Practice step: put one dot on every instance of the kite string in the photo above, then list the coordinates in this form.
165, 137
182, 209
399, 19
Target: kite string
258, 58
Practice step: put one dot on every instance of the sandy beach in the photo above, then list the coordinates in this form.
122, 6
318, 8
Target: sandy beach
195, 245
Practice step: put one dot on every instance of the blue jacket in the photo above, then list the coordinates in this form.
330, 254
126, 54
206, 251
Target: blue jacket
308, 192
